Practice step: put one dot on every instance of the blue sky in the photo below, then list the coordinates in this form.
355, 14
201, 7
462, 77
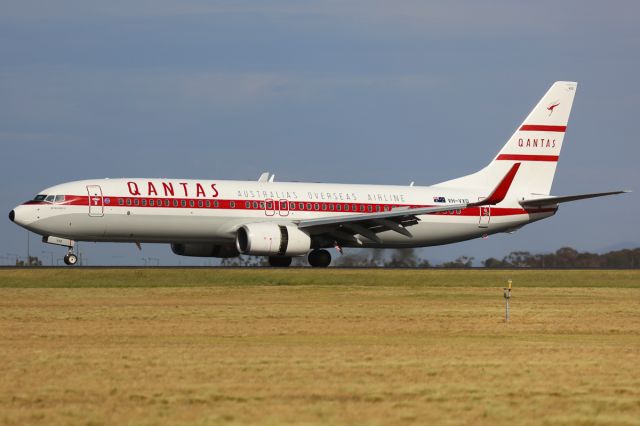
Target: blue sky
336, 91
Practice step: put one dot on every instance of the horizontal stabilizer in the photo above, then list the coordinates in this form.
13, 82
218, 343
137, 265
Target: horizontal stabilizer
548, 201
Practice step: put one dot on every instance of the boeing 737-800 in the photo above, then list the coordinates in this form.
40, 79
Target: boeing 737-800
218, 218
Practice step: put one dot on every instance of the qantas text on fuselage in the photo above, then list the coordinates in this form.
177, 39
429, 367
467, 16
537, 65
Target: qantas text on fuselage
218, 218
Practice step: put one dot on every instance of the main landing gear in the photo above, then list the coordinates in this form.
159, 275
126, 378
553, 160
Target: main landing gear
279, 261
70, 258
319, 258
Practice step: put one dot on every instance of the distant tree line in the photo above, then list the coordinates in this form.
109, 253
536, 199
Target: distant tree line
565, 257
31, 261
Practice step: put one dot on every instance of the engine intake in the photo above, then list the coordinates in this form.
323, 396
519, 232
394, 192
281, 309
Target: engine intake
270, 239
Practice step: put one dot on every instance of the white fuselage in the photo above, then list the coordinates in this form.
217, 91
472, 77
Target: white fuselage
205, 211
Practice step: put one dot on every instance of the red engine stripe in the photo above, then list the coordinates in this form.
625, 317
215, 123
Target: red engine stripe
527, 157
542, 128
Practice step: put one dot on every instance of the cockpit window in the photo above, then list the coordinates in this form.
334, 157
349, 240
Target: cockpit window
40, 197
59, 198
50, 198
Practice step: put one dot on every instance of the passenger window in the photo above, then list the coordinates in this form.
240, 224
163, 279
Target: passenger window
346, 207
137, 202
308, 206
151, 203
262, 205
361, 207
339, 207
247, 204
316, 206
144, 202
377, 208
192, 203
175, 203
208, 204
200, 204
128, 201
216, 204
167, 202
300, 206
386, 208
232, 204
183, 203
120, 201
324, 206
331, 206
255, 204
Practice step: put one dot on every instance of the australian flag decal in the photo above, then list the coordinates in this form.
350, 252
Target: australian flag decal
439, 200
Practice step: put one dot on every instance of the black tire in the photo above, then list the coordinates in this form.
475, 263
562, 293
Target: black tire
70, 259
319, 258
279, 261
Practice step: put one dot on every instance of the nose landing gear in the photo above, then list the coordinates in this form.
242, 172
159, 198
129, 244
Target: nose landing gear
70, 259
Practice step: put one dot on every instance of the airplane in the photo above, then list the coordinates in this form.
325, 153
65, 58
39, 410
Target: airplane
282, 220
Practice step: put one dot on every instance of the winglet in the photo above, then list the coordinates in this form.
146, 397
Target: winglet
501, 190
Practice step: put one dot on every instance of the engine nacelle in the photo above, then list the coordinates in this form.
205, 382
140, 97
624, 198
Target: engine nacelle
271, 239
204, 250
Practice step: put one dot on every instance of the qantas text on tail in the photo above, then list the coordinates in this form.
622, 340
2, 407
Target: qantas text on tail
218, 218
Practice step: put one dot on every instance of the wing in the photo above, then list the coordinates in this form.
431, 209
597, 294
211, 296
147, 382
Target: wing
346, 227
550, 201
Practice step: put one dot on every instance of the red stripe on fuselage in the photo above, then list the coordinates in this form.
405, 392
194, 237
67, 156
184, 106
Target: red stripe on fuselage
542, 128
259, 205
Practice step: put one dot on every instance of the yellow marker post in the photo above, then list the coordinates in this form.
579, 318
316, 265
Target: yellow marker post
507, 297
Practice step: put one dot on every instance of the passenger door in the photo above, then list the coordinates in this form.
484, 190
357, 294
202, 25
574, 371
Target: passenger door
96, 201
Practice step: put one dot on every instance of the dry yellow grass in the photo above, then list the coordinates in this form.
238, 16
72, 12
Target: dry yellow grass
315, 354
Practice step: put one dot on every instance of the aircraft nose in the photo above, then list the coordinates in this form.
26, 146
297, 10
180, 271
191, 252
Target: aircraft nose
12, 215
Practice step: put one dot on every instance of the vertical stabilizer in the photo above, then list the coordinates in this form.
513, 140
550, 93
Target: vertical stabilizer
536, 144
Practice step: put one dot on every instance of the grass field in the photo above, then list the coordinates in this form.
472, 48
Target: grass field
379, 347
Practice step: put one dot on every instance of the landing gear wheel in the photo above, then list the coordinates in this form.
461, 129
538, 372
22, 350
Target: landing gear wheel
71, 259
319, 258
279, 261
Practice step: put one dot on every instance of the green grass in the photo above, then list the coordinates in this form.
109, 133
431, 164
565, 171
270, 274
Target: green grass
302, 346
106, 278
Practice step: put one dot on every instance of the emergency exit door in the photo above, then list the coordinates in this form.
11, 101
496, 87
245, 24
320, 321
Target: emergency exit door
96, 201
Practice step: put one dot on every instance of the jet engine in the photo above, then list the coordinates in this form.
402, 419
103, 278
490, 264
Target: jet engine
204, 250
270, 239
